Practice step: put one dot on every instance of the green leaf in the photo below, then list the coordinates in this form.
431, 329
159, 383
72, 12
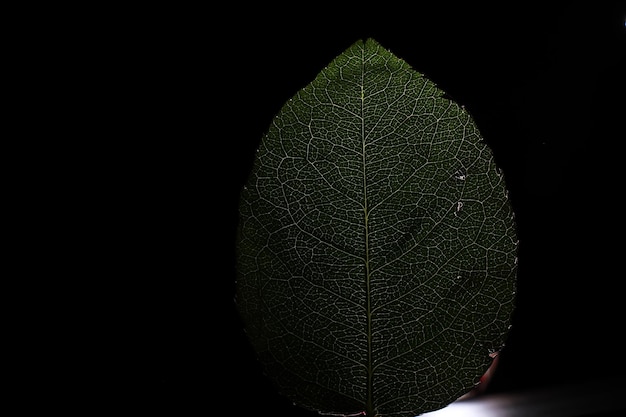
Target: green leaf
376, 244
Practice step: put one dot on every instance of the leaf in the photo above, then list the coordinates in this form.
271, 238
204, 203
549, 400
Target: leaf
376, 244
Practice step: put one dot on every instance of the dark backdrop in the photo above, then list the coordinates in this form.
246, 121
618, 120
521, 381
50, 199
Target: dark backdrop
543, 84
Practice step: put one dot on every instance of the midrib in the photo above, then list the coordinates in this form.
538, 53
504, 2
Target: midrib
368, 305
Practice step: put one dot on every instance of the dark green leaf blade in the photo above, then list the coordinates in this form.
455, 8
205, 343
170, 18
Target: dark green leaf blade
377, 247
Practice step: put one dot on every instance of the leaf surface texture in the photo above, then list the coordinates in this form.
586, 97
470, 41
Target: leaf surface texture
376, 243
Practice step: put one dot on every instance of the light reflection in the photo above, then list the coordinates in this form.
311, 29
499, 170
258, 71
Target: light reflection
473, 408
582, 398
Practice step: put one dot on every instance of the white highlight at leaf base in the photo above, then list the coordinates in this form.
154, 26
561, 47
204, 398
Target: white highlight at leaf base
596, 397
468, 408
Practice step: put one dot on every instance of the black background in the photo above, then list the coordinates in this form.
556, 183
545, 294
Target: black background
543, 84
